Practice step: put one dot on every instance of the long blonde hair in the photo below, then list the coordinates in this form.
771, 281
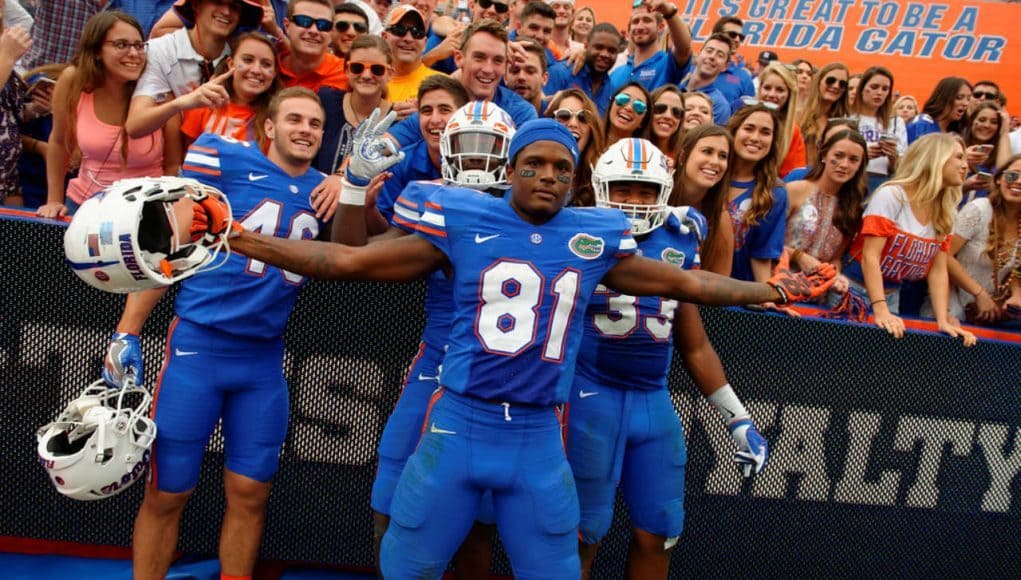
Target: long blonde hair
786, 112
816, 111
920, 172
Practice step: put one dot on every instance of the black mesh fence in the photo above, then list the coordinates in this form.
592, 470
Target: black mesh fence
887, 457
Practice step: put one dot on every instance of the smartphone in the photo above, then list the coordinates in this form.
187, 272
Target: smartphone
985, 148
888, 139
984, 174
37, 80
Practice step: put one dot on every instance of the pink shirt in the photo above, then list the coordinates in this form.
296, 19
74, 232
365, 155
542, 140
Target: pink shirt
100, 145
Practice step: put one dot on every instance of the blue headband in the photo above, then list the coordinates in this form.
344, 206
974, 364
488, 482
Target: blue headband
542, 129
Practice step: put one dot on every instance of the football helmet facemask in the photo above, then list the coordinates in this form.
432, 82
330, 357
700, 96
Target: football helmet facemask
126, 238
474, 146
99, 444
634, 160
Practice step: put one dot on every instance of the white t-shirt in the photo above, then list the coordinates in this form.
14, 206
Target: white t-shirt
173, 67
973, 225
871, 131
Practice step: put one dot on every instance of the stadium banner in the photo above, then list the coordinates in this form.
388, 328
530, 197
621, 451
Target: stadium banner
920, 42
888, 458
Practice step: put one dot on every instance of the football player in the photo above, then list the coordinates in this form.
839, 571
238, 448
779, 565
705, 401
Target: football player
622, 426
224, 351
472, 153
521, 269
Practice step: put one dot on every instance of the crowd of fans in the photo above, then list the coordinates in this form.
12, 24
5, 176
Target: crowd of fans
916, 200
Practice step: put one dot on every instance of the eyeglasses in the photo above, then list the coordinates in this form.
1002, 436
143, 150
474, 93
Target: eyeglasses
125, 46
1011, 176
831, 80
565, 115
306, 21
358, 68
344, 25
983, 95
623, 99
399, 30
500, 8
734, 35
661, 108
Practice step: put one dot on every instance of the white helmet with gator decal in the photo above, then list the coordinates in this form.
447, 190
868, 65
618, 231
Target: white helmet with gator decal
126, 238
474, 145
635, 160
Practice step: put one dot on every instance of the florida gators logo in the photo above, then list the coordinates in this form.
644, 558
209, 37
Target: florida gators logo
586, 247
672, 256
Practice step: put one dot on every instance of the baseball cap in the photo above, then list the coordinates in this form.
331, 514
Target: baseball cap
767, 56
400, 11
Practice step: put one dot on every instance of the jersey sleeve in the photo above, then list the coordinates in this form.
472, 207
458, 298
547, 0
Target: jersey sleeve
408, 207
626, 244
203, 159
432, 223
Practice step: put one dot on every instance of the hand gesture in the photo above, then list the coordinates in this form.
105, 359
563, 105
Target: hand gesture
371, 152
212, 94
797, 286
123, 361
14, 43
405, 109
752, 448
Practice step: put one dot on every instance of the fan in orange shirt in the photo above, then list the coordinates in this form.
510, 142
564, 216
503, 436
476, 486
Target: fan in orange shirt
251, 87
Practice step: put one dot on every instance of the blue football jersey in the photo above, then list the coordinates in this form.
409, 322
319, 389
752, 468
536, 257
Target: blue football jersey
244, 296
517, 290
628, 340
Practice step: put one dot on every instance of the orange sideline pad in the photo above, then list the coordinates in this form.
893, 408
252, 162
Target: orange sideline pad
920, 42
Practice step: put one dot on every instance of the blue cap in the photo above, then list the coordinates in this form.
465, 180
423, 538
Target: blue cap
542, 129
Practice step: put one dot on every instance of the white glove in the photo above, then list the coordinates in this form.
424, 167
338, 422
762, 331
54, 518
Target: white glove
371, 152
752, 448
691, 221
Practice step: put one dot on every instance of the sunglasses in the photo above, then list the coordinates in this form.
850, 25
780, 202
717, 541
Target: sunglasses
735, 35
565, 115
358, 68
399, 30
344, 25
661, 108
623, 99
500, 8
1011, 176
982, 95
305, 21
747, 101
831, 80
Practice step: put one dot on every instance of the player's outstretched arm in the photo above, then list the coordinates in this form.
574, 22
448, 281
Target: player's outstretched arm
643, 277
400, 260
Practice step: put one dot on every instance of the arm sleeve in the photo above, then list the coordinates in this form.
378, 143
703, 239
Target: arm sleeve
203, 159
433, 222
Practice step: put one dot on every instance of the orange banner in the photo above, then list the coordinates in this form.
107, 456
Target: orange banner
920, 42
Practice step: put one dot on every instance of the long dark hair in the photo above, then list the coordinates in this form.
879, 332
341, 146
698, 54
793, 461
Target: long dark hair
715, 199
942, 99
645, 117
968, 133
998, 225
767, 169
583, 192
261, 103
885, 111
851, 197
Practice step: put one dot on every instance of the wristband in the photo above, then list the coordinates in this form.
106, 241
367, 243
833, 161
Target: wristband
351, 194
784, 300
726, 403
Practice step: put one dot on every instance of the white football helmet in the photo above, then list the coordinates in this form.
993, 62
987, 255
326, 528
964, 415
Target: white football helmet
474, 145
630, 160
125, 238
99, 444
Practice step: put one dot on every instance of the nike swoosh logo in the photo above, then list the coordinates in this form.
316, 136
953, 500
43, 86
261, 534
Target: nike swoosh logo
584, 395
483, 239
180, 352
422, 377
254, 177
434, 429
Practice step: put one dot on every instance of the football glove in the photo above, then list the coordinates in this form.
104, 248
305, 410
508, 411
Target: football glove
371, 152
123, 360
752, 449
797, 286
691, 222
210, 218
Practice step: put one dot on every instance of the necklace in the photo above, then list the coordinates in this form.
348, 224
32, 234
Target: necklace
354, 113
1004, 256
